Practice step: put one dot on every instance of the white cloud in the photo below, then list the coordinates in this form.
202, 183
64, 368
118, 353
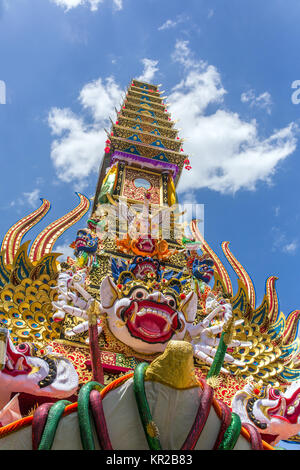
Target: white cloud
150, 68
93, 4
183, 55
167, 25
211, 13
69, 4
263, 101
227, 153
118, 4
281, 241
78, 147
290, 247
65, 250
31, 199
100, 98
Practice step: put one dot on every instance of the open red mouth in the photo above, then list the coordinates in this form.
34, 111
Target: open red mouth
207, 275
287, 409
16, 363
144, 268
152, 322
80, 242
145, 244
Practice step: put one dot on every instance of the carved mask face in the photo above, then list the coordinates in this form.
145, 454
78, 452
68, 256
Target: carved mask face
145, 244
41, 376
146, 319
276, 414
203, 270
84, 242
143, 266
283, 406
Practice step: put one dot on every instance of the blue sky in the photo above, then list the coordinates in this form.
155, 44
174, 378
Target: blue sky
227, 68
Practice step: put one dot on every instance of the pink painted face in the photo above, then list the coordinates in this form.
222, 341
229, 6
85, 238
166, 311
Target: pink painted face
25, 372
16, 359
286, 408
276, 414
144, 267
145, 244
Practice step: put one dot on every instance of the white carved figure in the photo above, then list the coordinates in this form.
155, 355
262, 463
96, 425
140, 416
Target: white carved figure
49, 375
146, 319
274, 412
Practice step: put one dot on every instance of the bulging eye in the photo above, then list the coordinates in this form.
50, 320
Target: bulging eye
171, 301
24, 348
139, 294
274, 393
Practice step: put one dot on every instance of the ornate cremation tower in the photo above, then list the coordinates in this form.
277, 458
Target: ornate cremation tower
135, 304
142, 164
134, 213
143, 144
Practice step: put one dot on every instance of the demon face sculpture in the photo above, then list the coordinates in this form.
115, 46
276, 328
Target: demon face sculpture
140, 267
84, 243
275, 414
85, 248
146, 306
25, 372
201, 267
203, 270
146, 315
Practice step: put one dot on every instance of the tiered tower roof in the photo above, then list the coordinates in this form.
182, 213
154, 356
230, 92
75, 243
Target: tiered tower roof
143, 134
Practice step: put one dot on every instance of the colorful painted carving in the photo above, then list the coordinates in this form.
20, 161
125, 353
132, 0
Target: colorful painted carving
274, 413
85, 247
201, 267
145, 245
147, 307
47, 375
168, 380
142, 306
